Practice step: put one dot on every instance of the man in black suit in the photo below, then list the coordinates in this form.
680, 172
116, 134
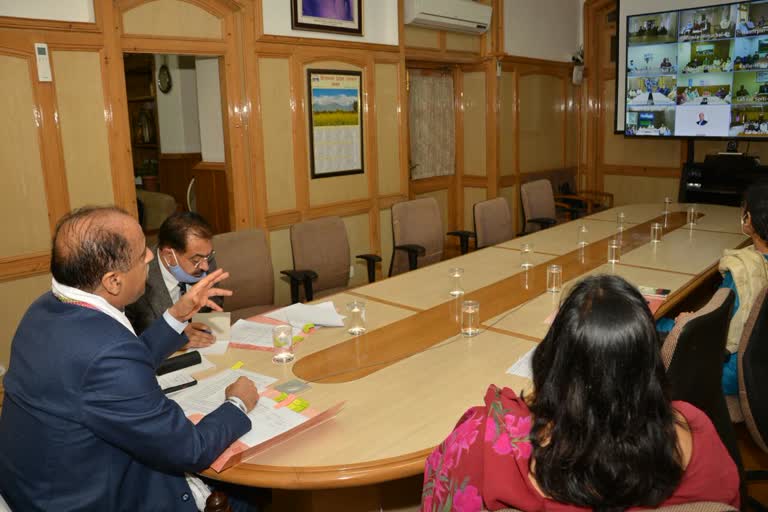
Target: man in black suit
701, 121
184, 255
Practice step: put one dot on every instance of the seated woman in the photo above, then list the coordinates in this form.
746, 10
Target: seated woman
599, 431
745, 271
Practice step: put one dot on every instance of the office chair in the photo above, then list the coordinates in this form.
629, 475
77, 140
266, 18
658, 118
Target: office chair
321, 258
493, 222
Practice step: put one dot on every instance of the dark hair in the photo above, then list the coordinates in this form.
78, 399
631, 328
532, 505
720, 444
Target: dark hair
604, 430
756, 203
176, 230
86, 245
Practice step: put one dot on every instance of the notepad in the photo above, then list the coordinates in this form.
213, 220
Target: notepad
299, 315
247, 334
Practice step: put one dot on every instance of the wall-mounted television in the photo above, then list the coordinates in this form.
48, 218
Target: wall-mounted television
701, 71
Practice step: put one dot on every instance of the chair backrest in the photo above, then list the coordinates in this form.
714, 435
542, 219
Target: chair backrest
417, 222
753, 369
245, 255
538, 202
693, 356
493, 222
322, 245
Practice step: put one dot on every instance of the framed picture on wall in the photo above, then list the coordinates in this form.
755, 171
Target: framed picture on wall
335, 122
339, 16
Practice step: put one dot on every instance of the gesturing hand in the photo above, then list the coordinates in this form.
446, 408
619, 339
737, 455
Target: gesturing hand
199, 295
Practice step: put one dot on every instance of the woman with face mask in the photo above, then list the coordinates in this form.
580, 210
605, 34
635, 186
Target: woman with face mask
745, 271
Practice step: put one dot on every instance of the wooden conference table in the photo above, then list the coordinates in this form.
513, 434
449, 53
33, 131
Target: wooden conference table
411, 376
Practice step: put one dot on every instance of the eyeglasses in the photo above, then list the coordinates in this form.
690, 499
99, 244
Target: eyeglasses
198, 260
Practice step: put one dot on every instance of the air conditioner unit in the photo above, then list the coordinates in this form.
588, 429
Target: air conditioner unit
452, 15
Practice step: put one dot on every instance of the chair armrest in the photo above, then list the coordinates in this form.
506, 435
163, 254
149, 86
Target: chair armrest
370, 261
464, 237
413, 251
298, 277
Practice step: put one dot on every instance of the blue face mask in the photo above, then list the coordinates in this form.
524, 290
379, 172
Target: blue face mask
181, 275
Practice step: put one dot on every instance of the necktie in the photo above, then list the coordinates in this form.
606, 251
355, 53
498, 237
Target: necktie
182, 288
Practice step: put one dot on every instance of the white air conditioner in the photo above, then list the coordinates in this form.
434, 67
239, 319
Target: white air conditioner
452, 15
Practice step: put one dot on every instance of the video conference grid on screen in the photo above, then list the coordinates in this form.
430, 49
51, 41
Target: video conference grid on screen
699, 72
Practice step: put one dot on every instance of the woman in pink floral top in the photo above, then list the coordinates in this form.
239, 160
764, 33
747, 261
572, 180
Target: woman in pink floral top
599, 433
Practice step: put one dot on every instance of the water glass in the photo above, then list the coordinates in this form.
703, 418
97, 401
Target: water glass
621, 221
691, 219
614, 251
554, 278
470, 318
656, 231
456, 289
282, 342
526, 256
667, 205
356, 318
581, 236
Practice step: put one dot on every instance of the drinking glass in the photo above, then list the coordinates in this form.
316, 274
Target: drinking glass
614, 251
667, 205
621, 220
691, 219
356, 319
554, 278
456, 289
526, 256
282, 342
656, 231
581, 236
470, 318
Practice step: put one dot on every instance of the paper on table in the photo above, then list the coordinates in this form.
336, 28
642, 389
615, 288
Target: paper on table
267, 422
255, 333
218, 322
300, 314
217, 348
208, 395
522, 366
173, 379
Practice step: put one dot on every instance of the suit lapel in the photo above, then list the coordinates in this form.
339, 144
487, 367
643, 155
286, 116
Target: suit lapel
157, 293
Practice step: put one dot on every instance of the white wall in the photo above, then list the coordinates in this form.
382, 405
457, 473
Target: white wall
542, 29
177, 110
63, 10
209, 108
379, 22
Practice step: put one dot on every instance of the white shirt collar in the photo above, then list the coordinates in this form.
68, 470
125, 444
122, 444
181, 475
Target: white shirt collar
69, 294
171, 283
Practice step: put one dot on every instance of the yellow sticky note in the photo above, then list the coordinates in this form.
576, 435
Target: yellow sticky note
282, 396
238, 365
298, 405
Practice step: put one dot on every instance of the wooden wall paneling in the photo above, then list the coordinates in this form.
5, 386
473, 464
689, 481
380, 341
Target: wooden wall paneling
300, 134
492, 128
175, 173
255, 131
404, 123
213, 205
118, 124
370, 134
236, 115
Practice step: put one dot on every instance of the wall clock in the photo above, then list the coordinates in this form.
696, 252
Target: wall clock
164, 81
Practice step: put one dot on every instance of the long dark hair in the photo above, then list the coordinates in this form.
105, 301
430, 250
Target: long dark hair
604, 430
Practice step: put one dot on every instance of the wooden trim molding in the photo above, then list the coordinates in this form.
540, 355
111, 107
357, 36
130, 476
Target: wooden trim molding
638, 170
38, 24
26, 265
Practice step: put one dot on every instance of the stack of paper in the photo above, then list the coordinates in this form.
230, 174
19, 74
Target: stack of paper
300, 315
219, 324
247, 334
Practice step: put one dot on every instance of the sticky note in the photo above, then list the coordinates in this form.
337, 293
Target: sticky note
238, 365
298, 405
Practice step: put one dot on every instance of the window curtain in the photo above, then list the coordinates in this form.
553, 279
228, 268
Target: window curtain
432, 118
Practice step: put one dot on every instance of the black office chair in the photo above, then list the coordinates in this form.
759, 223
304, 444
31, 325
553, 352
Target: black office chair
693, 356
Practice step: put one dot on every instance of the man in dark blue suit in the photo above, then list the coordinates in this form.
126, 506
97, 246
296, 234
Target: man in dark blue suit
84, 424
